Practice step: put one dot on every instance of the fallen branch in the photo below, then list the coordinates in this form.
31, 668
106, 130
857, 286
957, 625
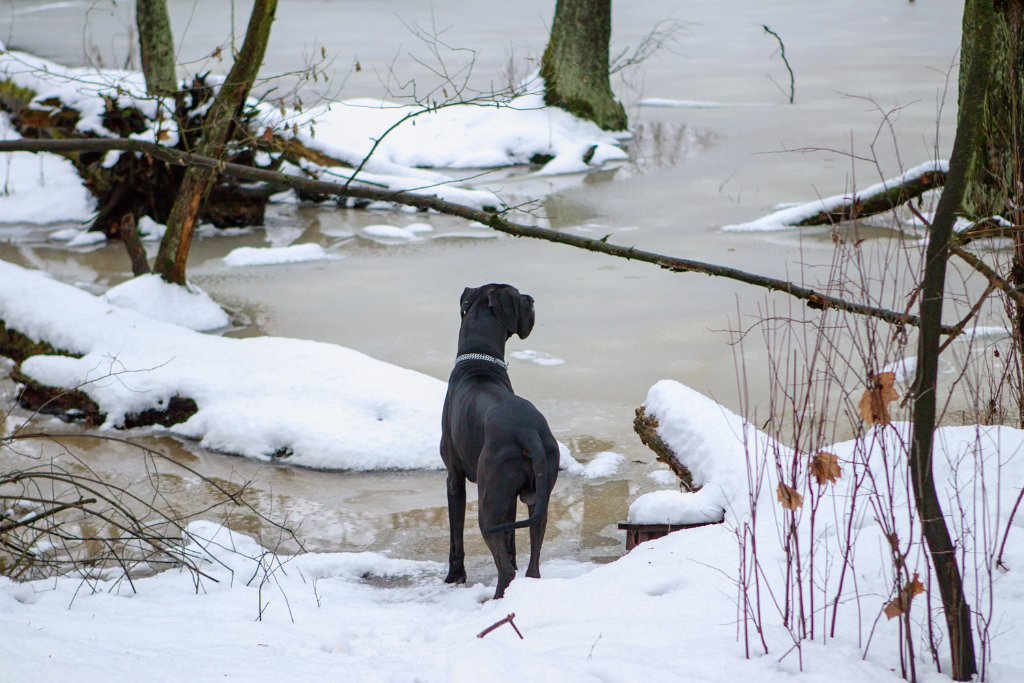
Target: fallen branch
494, 220
876, 199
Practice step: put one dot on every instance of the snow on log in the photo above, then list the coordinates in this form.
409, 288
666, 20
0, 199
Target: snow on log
694, 435
878, 198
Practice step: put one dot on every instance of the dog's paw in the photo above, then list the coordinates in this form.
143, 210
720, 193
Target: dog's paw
456, 576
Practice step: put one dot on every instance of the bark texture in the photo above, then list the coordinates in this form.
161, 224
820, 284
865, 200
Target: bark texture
156, 46
646, 427
978, 20
575, 63
995, 171
220, 122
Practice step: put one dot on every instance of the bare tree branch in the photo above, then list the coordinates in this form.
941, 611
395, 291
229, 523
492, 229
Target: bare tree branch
493, 220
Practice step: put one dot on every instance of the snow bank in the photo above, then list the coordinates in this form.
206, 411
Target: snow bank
30, 182
460, 136
473, 135
152, 296
667, 611
785, 219
311, 404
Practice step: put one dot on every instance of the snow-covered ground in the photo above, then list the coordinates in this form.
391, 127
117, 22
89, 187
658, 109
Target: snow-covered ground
667, 611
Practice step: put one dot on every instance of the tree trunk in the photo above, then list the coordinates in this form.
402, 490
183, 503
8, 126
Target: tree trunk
978, 19
995, 181
174, 248
575, 63
156, 46
994, 175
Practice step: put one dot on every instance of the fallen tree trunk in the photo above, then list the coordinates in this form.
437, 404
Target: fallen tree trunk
646, 427
74, 405
492, 219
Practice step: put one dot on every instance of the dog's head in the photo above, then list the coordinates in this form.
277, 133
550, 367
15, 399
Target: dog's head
512, 309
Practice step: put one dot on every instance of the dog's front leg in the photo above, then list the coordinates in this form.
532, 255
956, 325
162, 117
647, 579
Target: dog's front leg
456, 523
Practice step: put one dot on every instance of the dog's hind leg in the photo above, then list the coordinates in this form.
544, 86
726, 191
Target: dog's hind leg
536, 540
506, 572
492, 513
456, 523
510, 516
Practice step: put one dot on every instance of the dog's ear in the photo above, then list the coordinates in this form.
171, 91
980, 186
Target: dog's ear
514, 310
526, 316
465, 300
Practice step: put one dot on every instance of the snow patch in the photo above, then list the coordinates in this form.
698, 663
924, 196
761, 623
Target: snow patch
272, 256
155, 298
536, 357
603, 464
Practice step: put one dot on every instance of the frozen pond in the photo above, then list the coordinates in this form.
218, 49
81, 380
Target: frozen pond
618, 326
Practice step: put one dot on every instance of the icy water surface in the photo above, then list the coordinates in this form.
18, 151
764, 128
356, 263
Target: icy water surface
619, 326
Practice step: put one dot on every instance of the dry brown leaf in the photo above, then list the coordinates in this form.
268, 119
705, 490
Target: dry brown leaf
789, 498
874, 404
894, 609
915, 587
901, 603
825, 467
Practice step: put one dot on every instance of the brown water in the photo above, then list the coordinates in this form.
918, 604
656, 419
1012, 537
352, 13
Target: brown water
620, 326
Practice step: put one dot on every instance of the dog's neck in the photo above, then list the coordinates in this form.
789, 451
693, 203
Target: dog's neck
462, 358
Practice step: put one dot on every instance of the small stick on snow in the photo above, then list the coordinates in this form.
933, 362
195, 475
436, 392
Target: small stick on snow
506, 620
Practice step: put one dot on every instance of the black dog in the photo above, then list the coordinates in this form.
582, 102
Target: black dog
493, 437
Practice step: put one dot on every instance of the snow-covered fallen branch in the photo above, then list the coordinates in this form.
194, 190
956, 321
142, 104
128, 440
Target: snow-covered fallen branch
878, 198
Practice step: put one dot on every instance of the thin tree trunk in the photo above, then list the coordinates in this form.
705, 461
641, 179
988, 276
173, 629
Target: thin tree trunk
575, 63
978, 15
156, 46
174, 248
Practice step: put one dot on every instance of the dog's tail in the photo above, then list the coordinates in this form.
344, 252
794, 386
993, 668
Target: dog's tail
538, 457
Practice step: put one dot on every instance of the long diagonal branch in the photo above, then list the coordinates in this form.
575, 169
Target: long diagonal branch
497, 221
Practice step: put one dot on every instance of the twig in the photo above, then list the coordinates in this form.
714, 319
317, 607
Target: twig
501, 622
782, 51
1006, 534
